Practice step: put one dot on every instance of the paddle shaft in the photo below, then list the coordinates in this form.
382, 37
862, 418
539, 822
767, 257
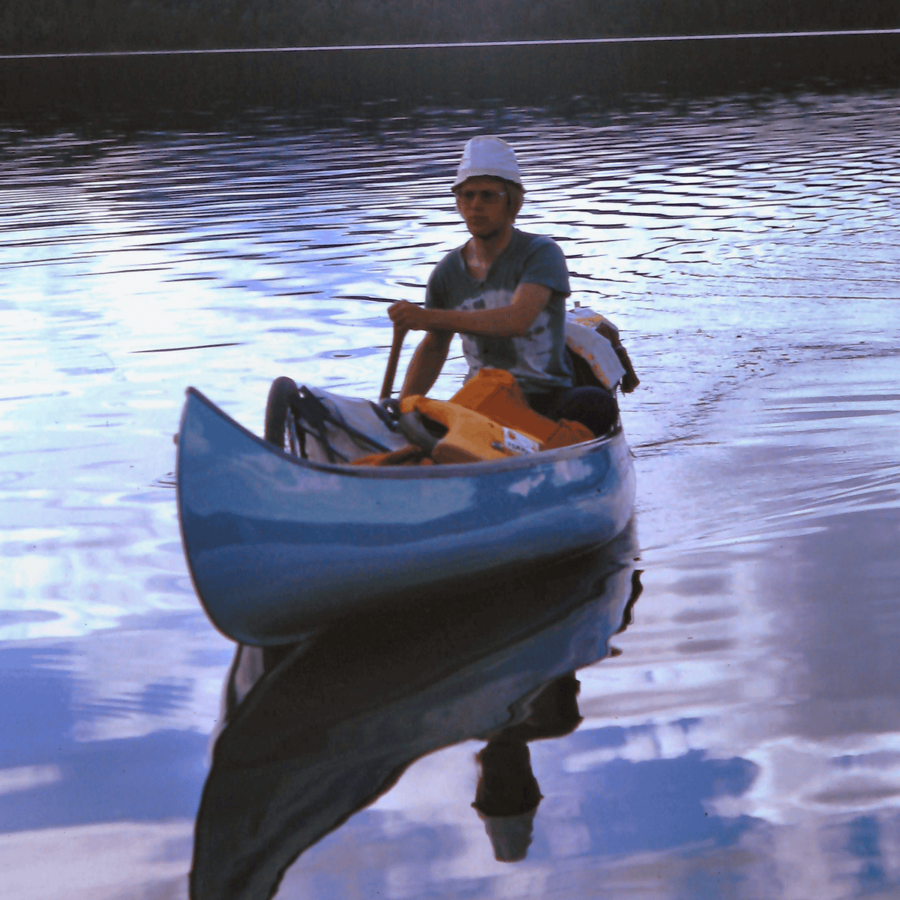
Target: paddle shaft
390, 373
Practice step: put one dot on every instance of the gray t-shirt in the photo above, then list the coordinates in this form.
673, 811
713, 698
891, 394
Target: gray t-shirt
537, 360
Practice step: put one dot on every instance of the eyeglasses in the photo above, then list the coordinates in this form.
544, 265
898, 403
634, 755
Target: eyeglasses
486, 196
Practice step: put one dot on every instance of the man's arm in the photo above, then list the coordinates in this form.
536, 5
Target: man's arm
427, 362
506, 321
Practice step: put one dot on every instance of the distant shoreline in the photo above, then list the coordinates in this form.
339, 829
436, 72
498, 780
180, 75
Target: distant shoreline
145, 26
449, 45
154, 85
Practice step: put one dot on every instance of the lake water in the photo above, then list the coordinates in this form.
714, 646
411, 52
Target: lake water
743, 738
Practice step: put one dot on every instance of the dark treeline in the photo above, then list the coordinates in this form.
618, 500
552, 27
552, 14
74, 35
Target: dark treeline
28, 26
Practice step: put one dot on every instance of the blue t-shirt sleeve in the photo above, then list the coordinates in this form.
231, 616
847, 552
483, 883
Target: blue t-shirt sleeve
433, 291
546, 266
437, 289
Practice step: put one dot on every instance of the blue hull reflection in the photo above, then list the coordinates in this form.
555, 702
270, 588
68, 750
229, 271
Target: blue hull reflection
315, 733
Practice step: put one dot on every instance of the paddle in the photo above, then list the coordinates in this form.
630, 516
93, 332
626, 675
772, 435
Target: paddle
388, 384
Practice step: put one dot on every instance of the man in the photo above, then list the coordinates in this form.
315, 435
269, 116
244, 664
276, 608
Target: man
504, 292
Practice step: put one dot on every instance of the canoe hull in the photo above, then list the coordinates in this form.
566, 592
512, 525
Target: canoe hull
278, 546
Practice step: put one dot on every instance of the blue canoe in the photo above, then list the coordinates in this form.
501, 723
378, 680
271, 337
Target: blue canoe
278, 545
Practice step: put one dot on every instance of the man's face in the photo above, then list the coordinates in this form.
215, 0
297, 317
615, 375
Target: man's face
484, 205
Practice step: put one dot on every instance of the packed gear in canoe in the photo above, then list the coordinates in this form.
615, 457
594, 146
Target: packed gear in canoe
489, 418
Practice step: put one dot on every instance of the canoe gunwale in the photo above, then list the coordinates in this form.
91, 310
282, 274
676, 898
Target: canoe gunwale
452, 470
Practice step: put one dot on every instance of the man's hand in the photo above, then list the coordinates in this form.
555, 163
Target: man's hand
409, 316
503, 321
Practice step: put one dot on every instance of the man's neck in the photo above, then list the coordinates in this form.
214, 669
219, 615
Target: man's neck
485, 249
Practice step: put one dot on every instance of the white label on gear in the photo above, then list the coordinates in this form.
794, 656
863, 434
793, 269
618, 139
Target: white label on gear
519, 443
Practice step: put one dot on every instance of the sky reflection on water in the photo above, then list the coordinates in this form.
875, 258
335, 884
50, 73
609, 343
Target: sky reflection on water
744, 744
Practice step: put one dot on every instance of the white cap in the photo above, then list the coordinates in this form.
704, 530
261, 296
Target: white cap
488, 156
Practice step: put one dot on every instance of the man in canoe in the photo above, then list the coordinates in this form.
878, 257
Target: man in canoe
504, 291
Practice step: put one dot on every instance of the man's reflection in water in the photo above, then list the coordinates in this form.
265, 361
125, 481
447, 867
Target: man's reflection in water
508, 795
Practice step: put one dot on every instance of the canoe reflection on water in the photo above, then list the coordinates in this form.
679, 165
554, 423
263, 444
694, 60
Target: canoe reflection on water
316, 732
